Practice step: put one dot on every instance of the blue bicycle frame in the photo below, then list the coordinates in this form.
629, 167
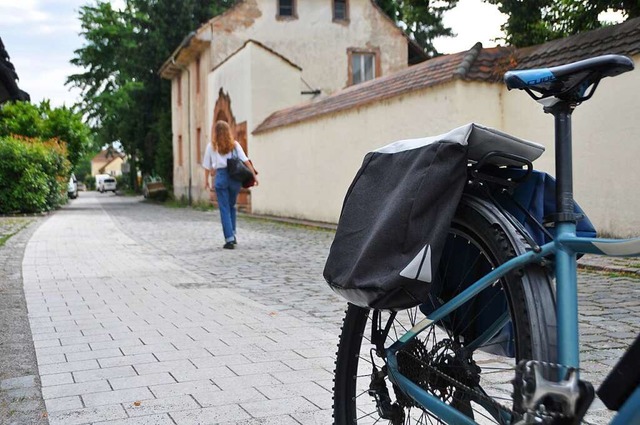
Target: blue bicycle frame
564, 247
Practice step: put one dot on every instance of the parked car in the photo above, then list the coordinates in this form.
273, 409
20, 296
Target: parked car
99, 179
72, 187
107, 184
154, 188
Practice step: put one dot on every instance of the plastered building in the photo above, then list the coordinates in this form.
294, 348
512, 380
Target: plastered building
265, 55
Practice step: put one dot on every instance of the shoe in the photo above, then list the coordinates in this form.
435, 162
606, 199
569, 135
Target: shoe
229, 245
234, 241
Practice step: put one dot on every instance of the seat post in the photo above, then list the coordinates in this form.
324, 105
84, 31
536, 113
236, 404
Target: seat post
562, 111
565, 224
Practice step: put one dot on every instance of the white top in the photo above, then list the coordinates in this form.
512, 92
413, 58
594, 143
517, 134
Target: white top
213, 159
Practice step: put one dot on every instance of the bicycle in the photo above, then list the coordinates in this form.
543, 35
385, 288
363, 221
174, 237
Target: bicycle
497, 339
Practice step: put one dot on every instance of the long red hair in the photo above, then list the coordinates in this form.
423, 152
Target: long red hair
222, 140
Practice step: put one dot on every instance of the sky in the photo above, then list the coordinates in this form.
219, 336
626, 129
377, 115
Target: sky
41, 36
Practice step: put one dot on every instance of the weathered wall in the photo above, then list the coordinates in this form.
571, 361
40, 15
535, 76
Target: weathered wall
312, 41
606, 147
247, 77
319, 46
306, 168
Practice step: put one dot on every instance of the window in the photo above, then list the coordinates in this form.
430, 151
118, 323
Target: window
179, 84
198, 145
180, 162
198, 75
363, 66
340, 10
287, 9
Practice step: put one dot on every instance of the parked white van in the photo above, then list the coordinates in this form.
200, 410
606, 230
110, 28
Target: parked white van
105, 183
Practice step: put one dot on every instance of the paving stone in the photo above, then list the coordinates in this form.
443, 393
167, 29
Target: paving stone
274, 392
320, 417
210, 415
56, 391
152, 348
46, 351
69, 367
63, 403
87, 415
162, 419
52, 359
169, 366
57, 379
278, 407
116, 396
141, 381
202, 373
275, 420
303, 376
161, 405
94, 354
183, 388
100, 374
133, 360
257, 368
240, 382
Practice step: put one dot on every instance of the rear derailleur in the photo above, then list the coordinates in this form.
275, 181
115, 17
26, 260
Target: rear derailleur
541, 399
378, 390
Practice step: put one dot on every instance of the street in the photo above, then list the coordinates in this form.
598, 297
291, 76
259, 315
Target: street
138, 316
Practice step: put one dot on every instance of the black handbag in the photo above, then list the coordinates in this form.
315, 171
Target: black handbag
237, 169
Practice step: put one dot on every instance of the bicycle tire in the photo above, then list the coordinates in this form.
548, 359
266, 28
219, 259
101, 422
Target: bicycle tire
531, 306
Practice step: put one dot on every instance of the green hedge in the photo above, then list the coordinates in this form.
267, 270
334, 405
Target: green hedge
33, 175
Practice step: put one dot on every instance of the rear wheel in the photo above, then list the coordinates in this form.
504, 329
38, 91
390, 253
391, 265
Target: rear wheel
457, 359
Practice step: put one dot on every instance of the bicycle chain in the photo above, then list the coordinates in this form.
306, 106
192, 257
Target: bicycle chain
492, 402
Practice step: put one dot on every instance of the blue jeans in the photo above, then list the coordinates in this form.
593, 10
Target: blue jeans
227, 190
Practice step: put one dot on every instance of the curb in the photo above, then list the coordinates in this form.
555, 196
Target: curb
294, 221
610, 269
585, 265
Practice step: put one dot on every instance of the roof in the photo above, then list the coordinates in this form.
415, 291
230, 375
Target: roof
426, 74
9, 89
186, 52
106, 156
621, 39
476, 64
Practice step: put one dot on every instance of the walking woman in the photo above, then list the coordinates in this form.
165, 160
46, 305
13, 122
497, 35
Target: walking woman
221, 148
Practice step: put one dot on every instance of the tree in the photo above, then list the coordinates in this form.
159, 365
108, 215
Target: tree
537, 21
123, 96
421, 19
66, 125
46, 123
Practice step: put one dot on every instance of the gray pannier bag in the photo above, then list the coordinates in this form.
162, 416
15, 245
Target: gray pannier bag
397, 213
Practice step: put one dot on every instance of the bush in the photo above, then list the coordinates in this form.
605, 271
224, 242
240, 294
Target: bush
33, 175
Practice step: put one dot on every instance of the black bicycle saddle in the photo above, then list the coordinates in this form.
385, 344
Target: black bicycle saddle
568, 82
